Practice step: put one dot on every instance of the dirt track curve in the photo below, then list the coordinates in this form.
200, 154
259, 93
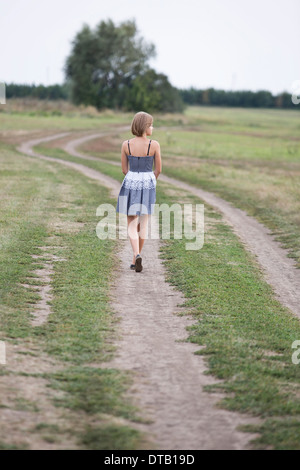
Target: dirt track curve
279, 270
169, 378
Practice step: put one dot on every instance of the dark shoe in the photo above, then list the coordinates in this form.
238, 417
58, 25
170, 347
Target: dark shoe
132, 266
138, 264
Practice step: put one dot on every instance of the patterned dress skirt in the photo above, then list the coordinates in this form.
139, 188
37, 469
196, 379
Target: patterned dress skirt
137, 195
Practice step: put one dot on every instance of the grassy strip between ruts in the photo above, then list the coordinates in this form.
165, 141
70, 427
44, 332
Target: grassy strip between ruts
247, 333
44, 204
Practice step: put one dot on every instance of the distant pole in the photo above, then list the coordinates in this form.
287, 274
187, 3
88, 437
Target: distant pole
47, 75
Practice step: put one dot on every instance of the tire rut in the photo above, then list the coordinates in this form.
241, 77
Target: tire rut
168, 376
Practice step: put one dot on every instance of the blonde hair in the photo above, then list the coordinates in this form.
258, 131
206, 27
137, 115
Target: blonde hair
140, 123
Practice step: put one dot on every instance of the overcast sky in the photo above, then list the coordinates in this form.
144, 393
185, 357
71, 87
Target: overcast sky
225, 44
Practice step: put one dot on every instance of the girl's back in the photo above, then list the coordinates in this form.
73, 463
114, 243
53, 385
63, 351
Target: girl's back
139, 147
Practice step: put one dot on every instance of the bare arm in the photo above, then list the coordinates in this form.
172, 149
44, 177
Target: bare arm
124, 159
157, 161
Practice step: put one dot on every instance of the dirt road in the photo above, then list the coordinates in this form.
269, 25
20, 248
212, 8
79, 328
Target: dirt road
279, 270
169, 378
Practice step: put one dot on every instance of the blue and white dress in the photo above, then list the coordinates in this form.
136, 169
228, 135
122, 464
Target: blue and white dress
137, 195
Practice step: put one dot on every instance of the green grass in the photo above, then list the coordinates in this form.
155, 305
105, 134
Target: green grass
4, 446
28, 119
81, 321
249, 157
247, 334
41, 203
259, 175
285, 432
111, 437
272, 199
272, 122
93, 390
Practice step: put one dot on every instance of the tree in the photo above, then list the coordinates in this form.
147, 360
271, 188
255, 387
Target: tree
152, 91
104, 62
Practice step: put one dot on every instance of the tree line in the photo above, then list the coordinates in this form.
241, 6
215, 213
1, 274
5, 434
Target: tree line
243, 99
108, 68
191, 96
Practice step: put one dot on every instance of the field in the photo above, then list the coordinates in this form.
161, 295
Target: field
57, 389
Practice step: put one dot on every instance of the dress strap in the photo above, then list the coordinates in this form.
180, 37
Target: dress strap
129, 148
149, 147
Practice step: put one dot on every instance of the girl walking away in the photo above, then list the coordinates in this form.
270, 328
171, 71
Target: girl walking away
138, 190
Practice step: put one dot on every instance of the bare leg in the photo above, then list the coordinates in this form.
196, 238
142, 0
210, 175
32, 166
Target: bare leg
132, 221
143, 230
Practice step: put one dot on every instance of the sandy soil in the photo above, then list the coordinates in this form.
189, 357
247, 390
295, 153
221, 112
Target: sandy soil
27, 402
168, 376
